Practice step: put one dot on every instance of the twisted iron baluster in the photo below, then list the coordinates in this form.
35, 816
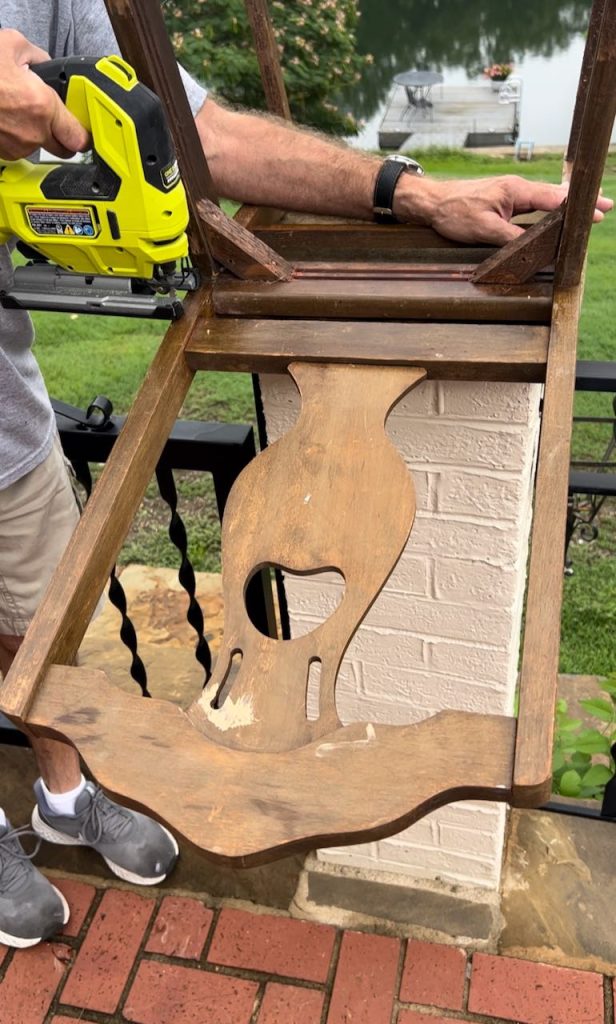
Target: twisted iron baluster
116, 593
128, 634
186, 575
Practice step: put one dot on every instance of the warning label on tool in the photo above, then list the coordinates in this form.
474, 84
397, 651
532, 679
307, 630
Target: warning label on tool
49, 220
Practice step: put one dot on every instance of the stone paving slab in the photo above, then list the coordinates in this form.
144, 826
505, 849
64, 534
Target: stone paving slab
157, 606
559, 890
151, 958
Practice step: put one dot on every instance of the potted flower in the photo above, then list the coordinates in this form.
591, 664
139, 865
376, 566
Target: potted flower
498, 73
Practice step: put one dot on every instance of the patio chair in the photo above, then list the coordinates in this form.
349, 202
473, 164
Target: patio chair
246, 773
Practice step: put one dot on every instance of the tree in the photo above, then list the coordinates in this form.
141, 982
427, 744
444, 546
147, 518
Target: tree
316, 40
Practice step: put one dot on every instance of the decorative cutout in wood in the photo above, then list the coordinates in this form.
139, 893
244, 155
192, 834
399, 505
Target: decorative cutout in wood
333, 493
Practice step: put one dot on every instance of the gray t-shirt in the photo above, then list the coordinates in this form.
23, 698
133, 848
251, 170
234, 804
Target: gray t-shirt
62, 28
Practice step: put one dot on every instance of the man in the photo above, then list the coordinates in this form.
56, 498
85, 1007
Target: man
286, 168
38, 510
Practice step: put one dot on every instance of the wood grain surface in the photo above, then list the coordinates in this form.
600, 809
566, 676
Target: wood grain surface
358, 783
515, 352
247, 773
245, 255
539, 672
593, 145
268, 56
386, 300
588, 60
366, 241
522, 258
320, 498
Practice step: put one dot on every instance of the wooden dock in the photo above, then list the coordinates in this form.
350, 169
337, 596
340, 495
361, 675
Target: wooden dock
459, 116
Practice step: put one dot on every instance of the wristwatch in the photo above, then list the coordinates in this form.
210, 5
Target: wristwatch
385, 186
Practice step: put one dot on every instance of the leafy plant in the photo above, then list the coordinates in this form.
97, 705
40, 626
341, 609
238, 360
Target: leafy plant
582, 762
316, 41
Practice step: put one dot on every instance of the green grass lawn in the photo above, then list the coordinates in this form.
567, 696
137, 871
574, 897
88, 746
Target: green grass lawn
85, 356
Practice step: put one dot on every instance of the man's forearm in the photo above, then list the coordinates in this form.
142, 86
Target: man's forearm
262, 160
265, 162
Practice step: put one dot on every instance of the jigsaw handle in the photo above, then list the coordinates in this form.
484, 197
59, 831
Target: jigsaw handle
57, 73
103, 72
104, 94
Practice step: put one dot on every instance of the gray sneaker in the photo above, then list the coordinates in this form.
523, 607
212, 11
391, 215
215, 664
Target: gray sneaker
136, 848
31, 908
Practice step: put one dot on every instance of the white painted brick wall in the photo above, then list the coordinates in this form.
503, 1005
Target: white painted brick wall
445, 630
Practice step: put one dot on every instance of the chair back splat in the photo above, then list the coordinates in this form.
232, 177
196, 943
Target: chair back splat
309, 488
358, 315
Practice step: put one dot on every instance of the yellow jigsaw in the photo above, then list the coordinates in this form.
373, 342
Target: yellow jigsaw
104, 234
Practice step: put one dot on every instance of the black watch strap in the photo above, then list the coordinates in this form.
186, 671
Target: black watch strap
385, 186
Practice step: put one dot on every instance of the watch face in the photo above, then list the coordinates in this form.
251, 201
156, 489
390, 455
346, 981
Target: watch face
410, 164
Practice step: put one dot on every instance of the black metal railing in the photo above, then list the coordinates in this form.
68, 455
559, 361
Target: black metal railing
591, 482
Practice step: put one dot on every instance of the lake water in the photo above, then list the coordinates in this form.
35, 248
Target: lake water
547, 55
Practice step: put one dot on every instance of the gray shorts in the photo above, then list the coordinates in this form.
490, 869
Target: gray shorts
37, 517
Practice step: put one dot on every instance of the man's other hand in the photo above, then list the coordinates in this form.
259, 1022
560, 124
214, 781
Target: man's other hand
31, 114
479, 210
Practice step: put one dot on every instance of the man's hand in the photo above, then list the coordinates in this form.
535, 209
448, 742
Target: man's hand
31, 114
479, 210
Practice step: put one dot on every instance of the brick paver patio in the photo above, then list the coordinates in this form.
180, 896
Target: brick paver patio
152, 958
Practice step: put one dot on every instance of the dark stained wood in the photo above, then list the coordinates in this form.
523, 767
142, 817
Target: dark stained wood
515, 352
268, 56
389, 300
365, 241
592, 150
538, 678
374, 271
64, 613
253, 217
143, 39
360, 782
246, 256
590, 52
521, 259
276, 98
336, 462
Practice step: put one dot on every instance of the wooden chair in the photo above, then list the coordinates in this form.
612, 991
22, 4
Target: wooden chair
358, 315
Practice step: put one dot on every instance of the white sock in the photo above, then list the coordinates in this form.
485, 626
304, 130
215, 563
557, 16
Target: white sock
2, 818
63, 803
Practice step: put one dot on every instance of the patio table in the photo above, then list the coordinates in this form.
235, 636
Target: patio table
418, 86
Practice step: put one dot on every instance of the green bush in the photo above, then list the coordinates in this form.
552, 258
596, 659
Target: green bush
316, 40
582, 762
